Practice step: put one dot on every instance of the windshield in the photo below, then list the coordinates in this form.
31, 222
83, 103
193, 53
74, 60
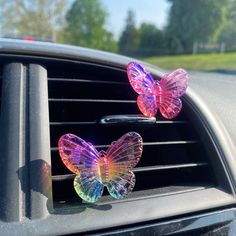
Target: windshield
193, 34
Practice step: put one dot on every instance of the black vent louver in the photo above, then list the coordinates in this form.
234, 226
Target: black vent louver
173, 160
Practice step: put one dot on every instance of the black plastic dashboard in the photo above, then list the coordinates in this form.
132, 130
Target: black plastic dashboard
26, 202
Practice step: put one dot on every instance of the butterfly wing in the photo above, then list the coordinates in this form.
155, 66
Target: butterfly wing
88, 186
171, 87
175, 83
141, 81
147, 105
123, 155
82, 158
170, 107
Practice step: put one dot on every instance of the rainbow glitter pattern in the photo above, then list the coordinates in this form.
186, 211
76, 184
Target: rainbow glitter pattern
164, 94
94, 169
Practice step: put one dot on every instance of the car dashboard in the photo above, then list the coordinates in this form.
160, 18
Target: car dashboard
185, 179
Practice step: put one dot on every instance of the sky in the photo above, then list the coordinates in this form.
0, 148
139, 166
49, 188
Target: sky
152, 11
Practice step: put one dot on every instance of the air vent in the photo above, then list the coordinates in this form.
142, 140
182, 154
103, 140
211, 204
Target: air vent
174, 159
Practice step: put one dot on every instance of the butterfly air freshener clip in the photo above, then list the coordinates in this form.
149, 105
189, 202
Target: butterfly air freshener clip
153, 94
95, 169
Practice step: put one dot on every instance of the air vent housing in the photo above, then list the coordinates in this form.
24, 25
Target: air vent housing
177, 181
174, 157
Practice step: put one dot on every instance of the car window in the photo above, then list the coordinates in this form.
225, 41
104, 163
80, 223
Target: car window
194, 34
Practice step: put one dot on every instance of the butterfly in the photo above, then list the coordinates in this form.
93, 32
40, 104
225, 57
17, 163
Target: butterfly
96, 169
153, 94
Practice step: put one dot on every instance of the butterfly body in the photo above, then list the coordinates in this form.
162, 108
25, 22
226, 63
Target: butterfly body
104, 166
153, 95
94, 170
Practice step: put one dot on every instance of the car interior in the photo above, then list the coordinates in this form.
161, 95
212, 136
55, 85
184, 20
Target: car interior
186, 177
186, 173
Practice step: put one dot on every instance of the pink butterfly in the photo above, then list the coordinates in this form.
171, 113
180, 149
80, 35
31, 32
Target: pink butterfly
153, 94
94, 169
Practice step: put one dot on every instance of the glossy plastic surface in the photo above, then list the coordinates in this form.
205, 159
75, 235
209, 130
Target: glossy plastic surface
163, 94
94, 169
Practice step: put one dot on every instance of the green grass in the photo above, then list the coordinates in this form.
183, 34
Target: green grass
200, 62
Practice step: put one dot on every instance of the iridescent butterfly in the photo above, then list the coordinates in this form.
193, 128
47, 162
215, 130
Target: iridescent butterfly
94, 169
153, 94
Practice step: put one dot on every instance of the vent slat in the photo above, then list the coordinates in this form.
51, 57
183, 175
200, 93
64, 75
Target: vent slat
139, 169
67, 80
95, 122
147, 144
91, 89
73, 123
167, 167
145, 194
90, 100
100, 134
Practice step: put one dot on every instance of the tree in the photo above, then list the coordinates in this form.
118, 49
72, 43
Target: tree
228, 31
151, 41
191, 20
85, 26
39, 18
129, 39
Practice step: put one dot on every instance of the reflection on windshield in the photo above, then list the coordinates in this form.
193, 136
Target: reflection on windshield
194, 34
